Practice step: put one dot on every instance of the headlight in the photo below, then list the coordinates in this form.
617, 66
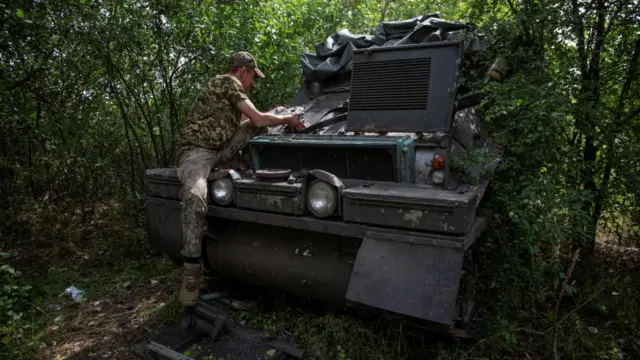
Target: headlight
437, 177
322, 198
222, 191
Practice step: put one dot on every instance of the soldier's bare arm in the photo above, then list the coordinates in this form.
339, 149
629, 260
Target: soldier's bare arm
244, 121
260, 119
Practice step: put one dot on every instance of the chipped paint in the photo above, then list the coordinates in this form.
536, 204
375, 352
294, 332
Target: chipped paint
414, 216
276, 197
272, 201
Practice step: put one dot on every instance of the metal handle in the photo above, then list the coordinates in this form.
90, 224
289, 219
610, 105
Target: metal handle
166, 352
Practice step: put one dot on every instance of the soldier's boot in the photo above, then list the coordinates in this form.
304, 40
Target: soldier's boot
190, 287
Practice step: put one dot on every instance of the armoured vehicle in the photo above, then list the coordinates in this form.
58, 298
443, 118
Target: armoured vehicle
377, 203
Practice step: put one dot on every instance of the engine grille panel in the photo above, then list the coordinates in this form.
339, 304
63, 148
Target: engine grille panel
407, 88
391, 85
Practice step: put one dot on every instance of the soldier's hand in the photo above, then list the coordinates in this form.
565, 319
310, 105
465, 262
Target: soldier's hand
295, 122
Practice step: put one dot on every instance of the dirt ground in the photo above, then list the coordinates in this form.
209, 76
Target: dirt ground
126, 296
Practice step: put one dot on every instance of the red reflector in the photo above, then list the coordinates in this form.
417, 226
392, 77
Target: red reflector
437, 162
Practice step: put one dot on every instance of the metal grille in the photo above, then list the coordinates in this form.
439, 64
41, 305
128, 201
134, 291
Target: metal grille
390, 85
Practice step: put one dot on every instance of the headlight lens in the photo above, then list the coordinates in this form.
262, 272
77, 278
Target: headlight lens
222, 191
437, 177
322, 198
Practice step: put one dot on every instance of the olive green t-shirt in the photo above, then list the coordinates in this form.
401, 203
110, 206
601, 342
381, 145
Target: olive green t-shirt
214, 117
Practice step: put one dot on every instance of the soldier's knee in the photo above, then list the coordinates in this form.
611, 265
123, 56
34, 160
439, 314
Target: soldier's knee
196, 196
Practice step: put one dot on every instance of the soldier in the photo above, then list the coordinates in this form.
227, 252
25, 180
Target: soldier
220, 122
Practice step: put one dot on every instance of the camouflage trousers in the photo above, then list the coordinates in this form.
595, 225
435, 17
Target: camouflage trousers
194, 167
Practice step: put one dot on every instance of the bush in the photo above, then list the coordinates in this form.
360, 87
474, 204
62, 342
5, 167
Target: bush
13, 294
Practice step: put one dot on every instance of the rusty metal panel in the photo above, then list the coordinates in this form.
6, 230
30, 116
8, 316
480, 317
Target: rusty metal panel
415, 207
279, 197
408, 278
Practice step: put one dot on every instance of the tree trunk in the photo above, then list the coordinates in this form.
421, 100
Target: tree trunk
384, 11
619, 120
587, 107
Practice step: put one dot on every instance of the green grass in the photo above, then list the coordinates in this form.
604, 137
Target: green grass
122, 295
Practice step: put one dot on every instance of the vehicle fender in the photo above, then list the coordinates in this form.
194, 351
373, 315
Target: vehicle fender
329, 178
219, 174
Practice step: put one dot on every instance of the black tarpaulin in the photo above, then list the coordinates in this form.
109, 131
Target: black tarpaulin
334, 56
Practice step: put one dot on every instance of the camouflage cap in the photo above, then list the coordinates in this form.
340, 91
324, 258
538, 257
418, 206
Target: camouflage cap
243, 58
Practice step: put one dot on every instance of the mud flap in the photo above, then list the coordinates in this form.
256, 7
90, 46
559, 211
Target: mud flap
414, 276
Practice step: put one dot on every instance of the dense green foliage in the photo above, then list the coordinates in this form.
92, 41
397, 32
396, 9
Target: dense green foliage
13, 293
94, 92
